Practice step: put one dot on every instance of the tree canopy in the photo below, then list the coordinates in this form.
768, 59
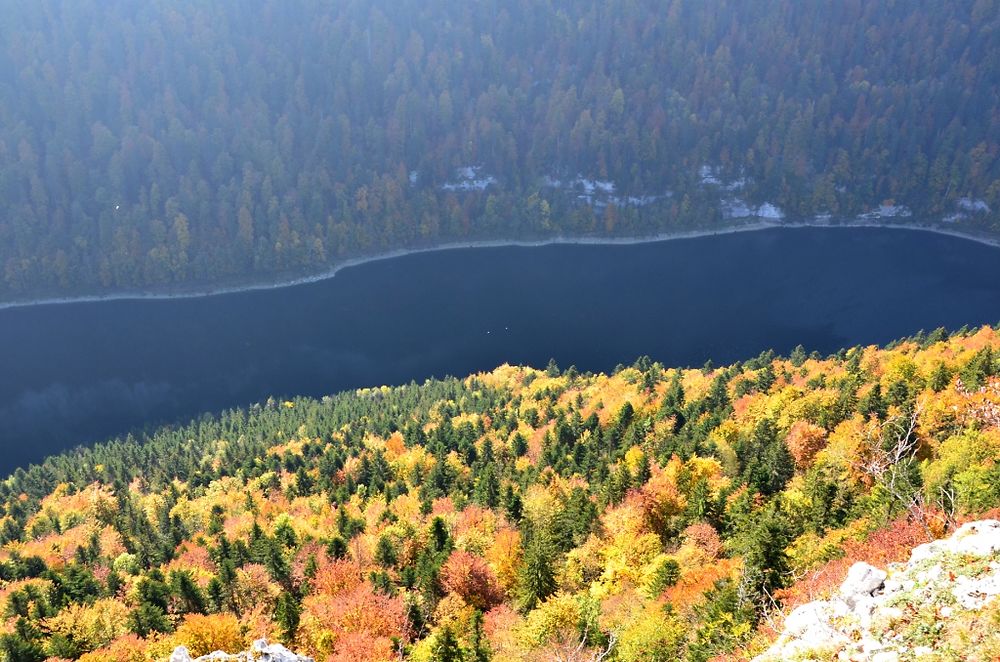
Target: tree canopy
167, 144
521, 514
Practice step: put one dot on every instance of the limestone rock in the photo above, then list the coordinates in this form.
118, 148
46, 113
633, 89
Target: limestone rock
260, 651
862, 580
866, 619
978, 538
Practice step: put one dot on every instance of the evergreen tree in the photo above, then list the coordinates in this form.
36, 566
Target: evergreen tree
765, 564
440, 538
147, 619
479, 646
337, 548
286, 615
446, 648
536, 578
512, 505
940, 378
665, 575
487, 492
189, 595
766, 463
385, 552
22, 645
873, 404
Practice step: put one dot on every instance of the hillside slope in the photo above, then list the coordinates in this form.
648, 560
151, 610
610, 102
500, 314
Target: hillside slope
162, 144
521, 514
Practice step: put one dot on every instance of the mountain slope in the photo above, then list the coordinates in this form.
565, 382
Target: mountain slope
168, 144
652, 514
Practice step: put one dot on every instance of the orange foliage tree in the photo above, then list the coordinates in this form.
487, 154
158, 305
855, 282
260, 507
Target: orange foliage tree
358, 624
130, 648
804, 441
469, 577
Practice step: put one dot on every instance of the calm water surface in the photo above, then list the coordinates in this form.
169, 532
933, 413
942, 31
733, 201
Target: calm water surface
81, 372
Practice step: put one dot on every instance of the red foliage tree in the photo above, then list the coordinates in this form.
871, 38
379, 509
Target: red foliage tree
705, 538
358, 624
469, 577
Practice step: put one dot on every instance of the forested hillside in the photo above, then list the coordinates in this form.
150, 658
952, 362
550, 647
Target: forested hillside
651, 514
162, 144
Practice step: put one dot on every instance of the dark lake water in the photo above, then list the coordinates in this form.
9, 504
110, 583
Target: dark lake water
78, 373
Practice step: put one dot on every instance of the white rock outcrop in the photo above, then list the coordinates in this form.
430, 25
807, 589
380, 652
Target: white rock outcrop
260, 651
866, 619
862, 581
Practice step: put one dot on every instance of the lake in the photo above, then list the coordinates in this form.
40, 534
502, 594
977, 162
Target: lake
82, 372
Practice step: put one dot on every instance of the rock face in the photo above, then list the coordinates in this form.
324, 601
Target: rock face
907, 612
862, 581
260, 651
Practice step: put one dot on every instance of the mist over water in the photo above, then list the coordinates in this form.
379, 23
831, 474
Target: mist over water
78, 373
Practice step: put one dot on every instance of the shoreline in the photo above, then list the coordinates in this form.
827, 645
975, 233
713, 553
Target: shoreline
493, 243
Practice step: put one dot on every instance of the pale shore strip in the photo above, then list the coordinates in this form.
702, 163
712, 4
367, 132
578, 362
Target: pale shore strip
496, 243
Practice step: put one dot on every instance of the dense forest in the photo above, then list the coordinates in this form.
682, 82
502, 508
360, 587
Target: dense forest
652, 514
165, 144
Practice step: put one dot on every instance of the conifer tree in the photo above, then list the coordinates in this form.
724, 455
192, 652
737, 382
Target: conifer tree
536, 578
287, 612
446, 648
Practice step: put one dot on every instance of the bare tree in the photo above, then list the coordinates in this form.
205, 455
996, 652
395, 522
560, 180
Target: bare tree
581, 653
890, 449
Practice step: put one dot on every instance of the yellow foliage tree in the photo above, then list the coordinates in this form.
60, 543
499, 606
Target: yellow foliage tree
203, 634
92, 626
504, 557
555, 621
254, 587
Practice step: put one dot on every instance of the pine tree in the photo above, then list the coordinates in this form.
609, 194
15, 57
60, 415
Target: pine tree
536, 579
766, 463
440, 538
479, 646
286, 615
518, 445
216, 521
873, 404
191, 598
385, 552
666, 574
940, 378
336, 548
764, 560
512, 504
23, 644
446, 648
487, 492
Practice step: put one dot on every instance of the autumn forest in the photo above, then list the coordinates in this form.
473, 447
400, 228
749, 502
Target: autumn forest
653, 513
177, 177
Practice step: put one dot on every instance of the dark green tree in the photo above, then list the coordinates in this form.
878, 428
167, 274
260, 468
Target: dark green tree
287, 612
385, 552
536, 579
446, 648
